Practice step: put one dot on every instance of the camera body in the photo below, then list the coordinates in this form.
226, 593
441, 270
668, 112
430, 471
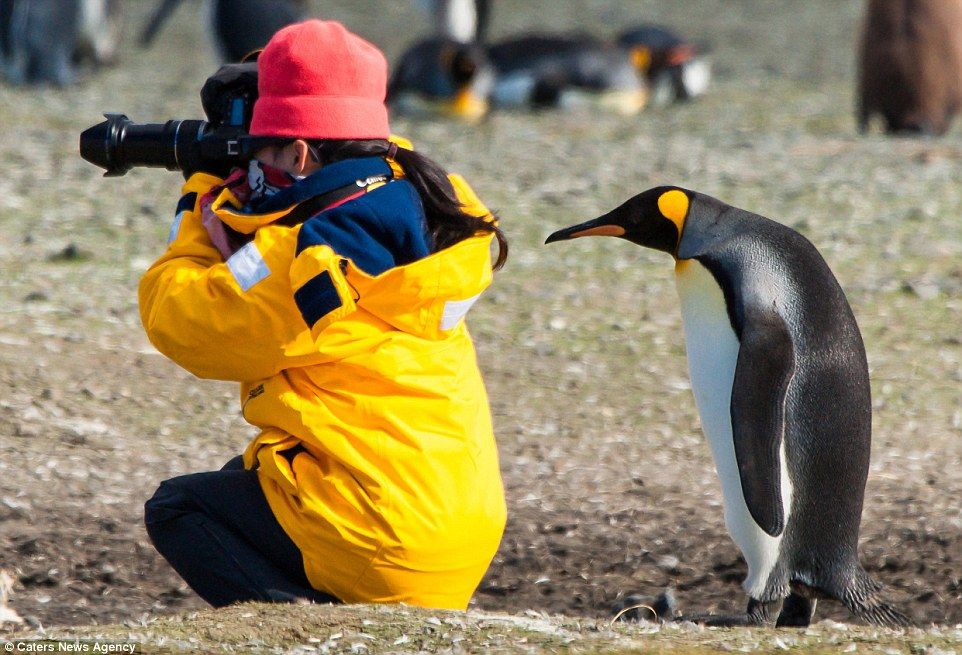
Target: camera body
215, 145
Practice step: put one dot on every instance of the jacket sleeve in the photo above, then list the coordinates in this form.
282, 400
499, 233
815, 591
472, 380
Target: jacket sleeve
233, 320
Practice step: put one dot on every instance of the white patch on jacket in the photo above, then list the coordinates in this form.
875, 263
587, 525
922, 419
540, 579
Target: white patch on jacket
248, 266
455, 310
175, 227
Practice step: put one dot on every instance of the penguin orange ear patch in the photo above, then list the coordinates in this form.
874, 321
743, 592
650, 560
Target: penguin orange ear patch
641, 58
673, 205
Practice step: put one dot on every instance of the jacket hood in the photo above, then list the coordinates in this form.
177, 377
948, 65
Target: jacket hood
373, 237
429, 297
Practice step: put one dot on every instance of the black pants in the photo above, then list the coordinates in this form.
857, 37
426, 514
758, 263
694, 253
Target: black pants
218, 532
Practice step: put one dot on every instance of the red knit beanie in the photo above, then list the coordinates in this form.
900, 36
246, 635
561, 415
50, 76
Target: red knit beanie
316, 80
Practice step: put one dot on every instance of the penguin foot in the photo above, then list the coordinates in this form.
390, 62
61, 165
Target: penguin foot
637, 607
758, 614
797, 612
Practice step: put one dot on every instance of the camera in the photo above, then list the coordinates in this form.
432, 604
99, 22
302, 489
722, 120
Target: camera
216, 145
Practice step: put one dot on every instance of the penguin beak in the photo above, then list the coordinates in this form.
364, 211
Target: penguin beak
598, 227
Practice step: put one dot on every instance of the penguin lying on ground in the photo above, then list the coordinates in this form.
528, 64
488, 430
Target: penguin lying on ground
542, 70
238, 27
448, 73
525, 72
442, 76
557, 70
780, 378
910, 65
44, 41
675, 69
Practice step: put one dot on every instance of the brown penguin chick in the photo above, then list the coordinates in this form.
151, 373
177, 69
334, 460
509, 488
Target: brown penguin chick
910, 65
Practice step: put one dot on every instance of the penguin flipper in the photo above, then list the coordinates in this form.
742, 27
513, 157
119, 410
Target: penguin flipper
764, 368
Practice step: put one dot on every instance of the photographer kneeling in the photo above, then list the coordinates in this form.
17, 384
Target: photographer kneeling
331, 279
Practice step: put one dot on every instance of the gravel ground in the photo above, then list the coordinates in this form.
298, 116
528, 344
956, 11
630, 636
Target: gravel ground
302, 630
610, 485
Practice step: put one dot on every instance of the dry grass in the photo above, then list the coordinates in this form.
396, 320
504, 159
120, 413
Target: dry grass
371, 629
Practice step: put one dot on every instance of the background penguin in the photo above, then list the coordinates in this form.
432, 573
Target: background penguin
6, 46
238, 27
442, 76
39, 38
447, 73
558, 70
780, 378
464, 21
99, 32
44, 41
674, 68
530, 71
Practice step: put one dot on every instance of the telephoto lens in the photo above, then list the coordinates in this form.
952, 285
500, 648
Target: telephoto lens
118, 144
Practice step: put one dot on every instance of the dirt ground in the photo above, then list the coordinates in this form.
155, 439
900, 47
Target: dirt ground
352, 629
610, 484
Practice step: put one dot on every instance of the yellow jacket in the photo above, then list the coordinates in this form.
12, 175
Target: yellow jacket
393, 493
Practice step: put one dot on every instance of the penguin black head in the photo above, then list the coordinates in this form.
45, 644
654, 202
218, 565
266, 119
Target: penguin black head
442, 76
654, 219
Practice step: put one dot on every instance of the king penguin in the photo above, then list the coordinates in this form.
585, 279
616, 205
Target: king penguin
780, 379
237, 27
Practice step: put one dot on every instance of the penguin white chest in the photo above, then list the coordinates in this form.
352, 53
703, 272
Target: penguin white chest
712, 348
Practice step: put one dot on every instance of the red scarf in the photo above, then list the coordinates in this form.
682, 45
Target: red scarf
249, 186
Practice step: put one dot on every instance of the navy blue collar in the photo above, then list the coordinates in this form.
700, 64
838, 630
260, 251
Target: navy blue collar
328, 178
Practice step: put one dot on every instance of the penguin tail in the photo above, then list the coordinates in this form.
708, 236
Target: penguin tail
865, 599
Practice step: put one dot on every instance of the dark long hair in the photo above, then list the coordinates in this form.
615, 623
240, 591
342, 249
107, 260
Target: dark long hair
448, 223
